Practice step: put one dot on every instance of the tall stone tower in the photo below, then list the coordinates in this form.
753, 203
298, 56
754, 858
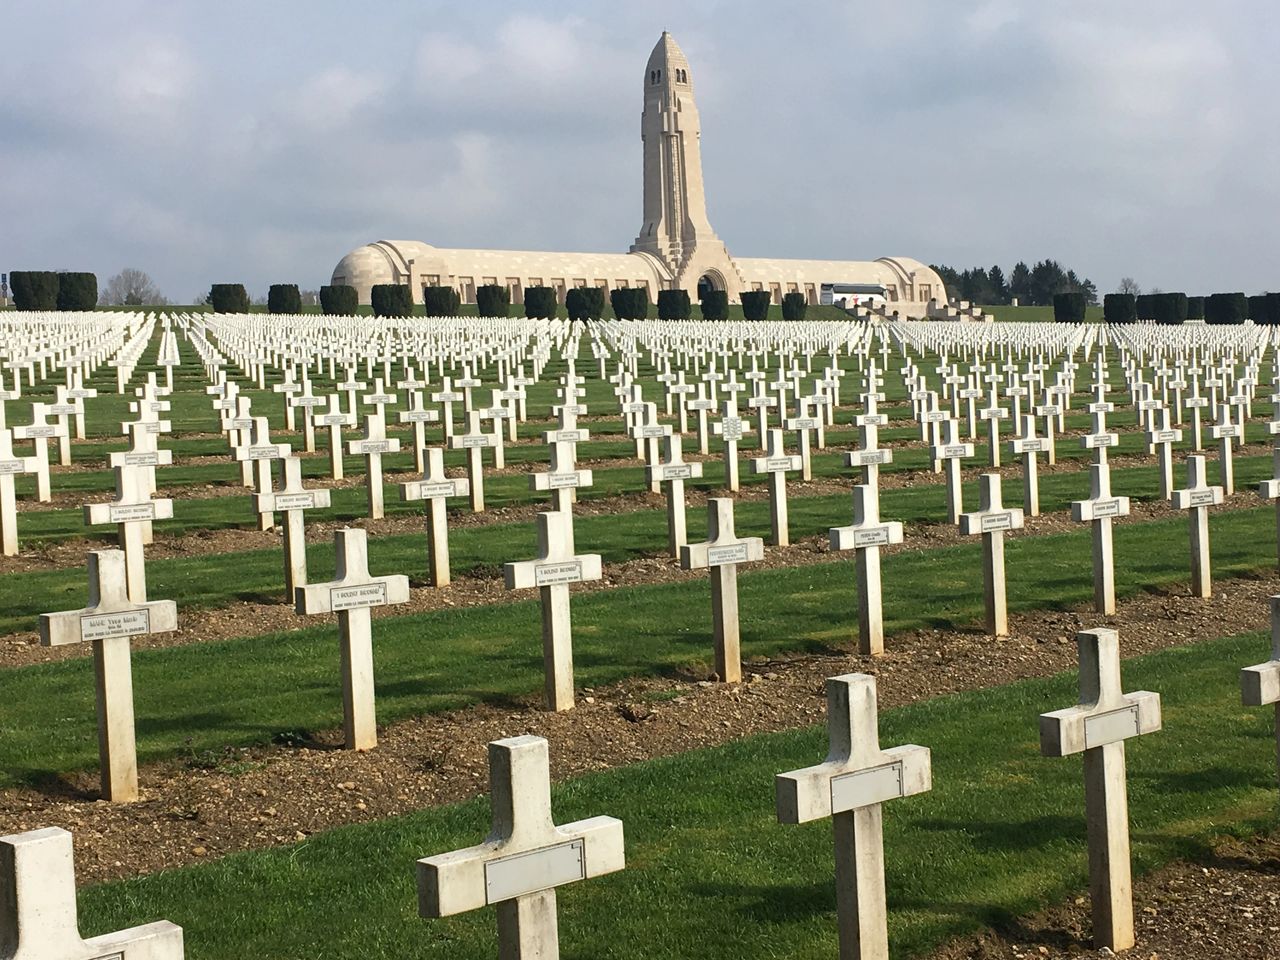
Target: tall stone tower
676, 229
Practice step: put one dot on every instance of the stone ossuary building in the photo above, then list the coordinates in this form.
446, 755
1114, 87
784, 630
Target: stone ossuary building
676, 248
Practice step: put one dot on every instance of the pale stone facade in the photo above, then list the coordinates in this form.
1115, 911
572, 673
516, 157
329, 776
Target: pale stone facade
675, 249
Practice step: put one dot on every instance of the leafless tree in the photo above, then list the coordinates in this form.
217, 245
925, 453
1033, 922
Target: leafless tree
1129, 285
133, 288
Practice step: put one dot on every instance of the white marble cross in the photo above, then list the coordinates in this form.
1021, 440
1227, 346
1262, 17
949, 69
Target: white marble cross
1099, 510
77, 393
434, 488
1098, 439
1161, 437
1260, 685
951, 451
563, 477
1105, 717
525, 857
1029, 446
1224, 431
10, 466
777, 463
335, 418
292, 500
648, 433
351, 387
39, 431
473, 441
307, 401
419, 416
704, 404
446, 396
1050, 412
108, 622
372, 445
556, 567
673, 471
720, 554
851, 787
1196, 499
38, 908
993, 413
351, 595
287, 387
731, 428
865, 537
869, 456
803, 424
131, 509
260, 451
990, 521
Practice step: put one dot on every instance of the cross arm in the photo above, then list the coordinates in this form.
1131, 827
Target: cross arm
93, 623
1260, 685
1197, 497
1082, 510
818, 792
558, 481
97, 513
434, 489
858, 536
336, 596
1084, 727
699, 556
523, 574
500, 870
284, 500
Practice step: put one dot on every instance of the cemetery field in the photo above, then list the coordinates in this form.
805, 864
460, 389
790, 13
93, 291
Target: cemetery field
710, 873
661, 600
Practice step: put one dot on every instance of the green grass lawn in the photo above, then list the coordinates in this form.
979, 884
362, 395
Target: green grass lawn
711, 874
208, 695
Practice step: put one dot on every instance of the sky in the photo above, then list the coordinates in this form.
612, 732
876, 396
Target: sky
258, 142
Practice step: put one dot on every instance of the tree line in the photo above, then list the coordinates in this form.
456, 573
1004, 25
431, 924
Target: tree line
1031, 286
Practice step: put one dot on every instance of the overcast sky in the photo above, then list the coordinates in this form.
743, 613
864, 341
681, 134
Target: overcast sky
260, 141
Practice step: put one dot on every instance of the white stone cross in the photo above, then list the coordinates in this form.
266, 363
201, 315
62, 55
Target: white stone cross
1162, 437
372, 445
446, 396
292, 500
497, 411
307, 401
720, 554
77, 393
108, 622
851, 787
474, 441
951, 451
260, 451
777, 463
1029, 446
130, 511
673, 471
1270, 489
1050, 412
760, 402
993, 413
525, 857
1260, 685
287, 387
40, 431
1099, 510
351, 595
648, 433
704, 404
351, 386
64, 408
563, 477
38, 908
1098, 439
865, 538
869, 456
1196, 499
991, 520
419, 416
803, 423
10, 466
335, 418
1224, 431
731, 428
434, 488
1098, 727
556, 567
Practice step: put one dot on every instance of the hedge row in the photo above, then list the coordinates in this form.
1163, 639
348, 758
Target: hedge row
1069, 307
436, 302
48, 290
493, 300
391, 300
755, 304
339, 300
229, 298
284, 298
585, 303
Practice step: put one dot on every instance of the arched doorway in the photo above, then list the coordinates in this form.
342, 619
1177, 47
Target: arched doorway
711, 280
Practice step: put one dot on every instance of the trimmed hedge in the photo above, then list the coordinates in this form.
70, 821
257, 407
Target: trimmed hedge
339, 300
1069, 307
391, 300
1226, 308
34, 289
284, 298
584, 303
674, 305
438, 302
229, 298
1146, 306
1195, 308
540, 303
755, 304
493, 300
715, 305
794, 306
1119, 308
77, 291
1170, 308
630, 303
1265, 309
